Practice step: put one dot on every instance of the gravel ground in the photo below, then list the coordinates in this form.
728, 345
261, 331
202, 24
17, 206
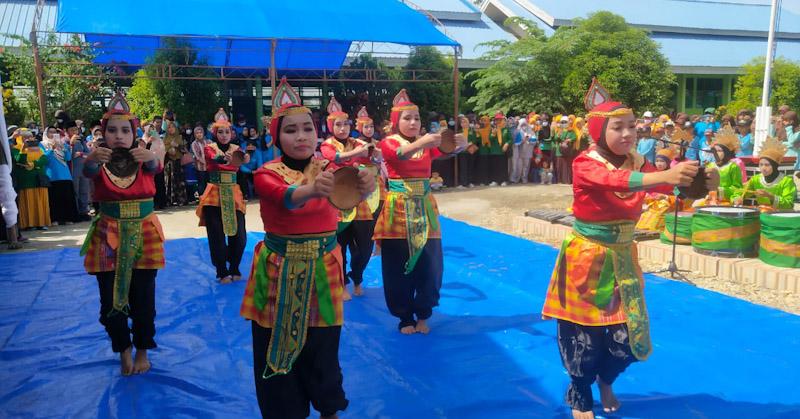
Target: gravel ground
495, 208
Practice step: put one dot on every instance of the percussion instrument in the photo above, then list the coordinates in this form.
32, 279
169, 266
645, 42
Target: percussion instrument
780, 239
725, 231
237, 158
122, 163
345, 194
697, 190
448, 144
684, 235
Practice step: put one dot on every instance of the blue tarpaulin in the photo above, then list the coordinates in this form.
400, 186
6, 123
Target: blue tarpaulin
238, 33
490, 355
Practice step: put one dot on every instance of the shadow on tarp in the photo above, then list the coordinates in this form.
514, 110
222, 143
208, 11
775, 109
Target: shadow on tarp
489, 355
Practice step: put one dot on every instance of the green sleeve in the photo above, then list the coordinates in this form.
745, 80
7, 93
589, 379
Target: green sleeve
785, 193
733, 183
20, 158
41, 163
750, 186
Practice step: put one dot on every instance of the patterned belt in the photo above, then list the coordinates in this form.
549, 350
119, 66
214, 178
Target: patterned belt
610, 232
121, 210
222, 177
410, 187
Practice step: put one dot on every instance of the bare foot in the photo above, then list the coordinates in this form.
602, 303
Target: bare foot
126, 361
358, 290
408, 330
346, 295
227, 279
577, 414
422, 327
235, 278
607, 396
141, 364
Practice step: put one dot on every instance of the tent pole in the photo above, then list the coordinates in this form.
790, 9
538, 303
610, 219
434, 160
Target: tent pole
272, 73
455, 106
259, 104
37, 63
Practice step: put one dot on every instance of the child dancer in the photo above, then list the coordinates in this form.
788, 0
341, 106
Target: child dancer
294, 293
595, 291
770, 188
124, 247
408, 225
222, 207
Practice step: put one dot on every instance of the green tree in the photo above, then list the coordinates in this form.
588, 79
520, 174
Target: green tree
430, 96
749, 86
79, 93
553, 74
191, 100
375, 95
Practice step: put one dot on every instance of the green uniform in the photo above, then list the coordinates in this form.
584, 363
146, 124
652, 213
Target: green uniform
562, 136
495, 148
730, 180
28, 178
783, 189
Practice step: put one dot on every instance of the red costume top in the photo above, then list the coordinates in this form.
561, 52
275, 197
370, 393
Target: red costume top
106, 190
274, 183
603, 192
417, 166
211, 152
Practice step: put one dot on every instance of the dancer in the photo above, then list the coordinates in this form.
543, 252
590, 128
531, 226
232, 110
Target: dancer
408, 225
294, 293
725, 145
770, 188
124, 247
595, 291
340, 149
222, 207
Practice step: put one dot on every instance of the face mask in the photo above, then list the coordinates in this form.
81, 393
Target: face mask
83, 129
241, 124
545, 123
60, 121
188, 132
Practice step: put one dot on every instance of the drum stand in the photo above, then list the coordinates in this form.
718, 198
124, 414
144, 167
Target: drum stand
672, 268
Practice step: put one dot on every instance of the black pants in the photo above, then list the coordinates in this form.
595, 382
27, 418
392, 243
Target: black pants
63, 207
243, 180
466, 168
226, 253
415, 294
591, 351
142, 301
357, 237
498, 166
482, 169
315, 378
202, 181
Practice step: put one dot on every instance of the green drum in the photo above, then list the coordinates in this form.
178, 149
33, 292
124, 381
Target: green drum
684, 228
780, 239
726, 231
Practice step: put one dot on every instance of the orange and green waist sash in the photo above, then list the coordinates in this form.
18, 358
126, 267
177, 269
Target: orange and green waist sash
618, 272
129, 216
226, 181
301, 268
419, 213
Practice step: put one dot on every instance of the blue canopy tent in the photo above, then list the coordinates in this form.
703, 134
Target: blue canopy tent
248, 38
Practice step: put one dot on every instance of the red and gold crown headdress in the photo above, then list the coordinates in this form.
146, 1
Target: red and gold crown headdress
118, 108
402, 102
335, 110
286, 101
362, 118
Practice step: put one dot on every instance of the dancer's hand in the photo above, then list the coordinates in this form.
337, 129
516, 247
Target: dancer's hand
323, 184
712, 179
366, 182
100, 155
682, 174
143, 155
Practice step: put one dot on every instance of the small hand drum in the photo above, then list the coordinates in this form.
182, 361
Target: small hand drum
448, 144
237, 158
345, 193
697, 190
122, 163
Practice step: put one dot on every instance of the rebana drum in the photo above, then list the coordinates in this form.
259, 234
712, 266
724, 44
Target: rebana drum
780, 239
684, 228
726, 231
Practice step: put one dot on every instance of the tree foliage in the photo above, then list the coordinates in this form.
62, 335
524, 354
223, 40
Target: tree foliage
191, 100
430, 96
552, 74
376, 96
79, 94
749, 86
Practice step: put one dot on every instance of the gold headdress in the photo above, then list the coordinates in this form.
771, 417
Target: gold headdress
773, 149
727, 137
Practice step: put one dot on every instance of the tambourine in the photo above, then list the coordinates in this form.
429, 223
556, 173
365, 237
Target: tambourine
122, 163
448, 144
345, 194
237, 158
697, 190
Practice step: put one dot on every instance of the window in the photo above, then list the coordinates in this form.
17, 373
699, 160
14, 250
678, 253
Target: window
708, 93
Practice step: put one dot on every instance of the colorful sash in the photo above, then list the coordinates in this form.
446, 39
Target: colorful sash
619, 271
301, 267
129, 216
419, 212
225, 181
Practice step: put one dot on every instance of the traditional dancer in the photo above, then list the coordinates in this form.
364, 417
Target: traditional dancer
294, 293
340, 149
725, 145
222, 207
408, 225
595, 291
770, 188
124, 247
